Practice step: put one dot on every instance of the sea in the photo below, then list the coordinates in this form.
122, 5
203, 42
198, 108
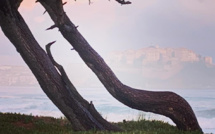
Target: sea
33, 101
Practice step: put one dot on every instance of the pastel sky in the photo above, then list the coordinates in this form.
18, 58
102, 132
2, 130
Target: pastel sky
108, 26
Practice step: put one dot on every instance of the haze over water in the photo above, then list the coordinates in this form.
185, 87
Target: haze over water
175, 69
34, 101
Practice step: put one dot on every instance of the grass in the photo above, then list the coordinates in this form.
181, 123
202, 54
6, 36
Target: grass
12, 123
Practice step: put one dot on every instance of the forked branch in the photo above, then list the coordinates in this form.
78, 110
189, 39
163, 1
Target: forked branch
98, 120
78, 111
165, 103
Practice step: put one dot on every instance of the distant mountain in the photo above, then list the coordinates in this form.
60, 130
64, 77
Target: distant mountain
146, 68
155, 54
16, 76
155, 67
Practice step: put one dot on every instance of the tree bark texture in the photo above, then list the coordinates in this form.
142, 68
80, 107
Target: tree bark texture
89, 106
78, 111
168, 104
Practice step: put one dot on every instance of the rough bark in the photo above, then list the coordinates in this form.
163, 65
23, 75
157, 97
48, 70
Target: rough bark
165, 103
89, 106
78, 111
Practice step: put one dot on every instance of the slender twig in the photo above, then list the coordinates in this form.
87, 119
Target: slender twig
51, 27
123, 2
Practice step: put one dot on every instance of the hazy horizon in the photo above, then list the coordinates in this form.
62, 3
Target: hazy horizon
16, 60
146, 68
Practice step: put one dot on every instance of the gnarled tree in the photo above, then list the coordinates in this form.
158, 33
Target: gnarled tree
61, 91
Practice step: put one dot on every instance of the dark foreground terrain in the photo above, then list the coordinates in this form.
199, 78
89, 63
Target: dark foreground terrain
12, 123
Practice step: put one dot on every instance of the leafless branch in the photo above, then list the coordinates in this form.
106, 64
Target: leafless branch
123, 2
51, 27
64, 3
44, 12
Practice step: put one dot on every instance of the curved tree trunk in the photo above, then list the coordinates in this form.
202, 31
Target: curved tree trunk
165, 103
89, 106
61, 92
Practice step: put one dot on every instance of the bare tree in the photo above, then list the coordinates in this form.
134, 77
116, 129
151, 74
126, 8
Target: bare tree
62, 92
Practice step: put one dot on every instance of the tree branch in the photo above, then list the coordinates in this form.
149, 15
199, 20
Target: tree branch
123, 2
98, 119
51, 27
53, 84
165, 103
